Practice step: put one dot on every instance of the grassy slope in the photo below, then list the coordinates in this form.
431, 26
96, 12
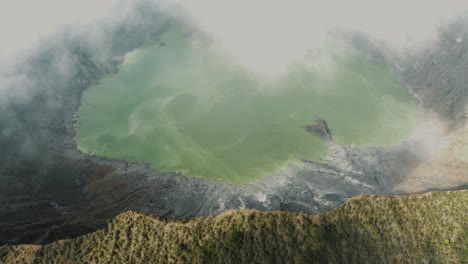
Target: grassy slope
419, 228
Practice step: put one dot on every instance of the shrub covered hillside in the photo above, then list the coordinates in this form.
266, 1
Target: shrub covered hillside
423, 228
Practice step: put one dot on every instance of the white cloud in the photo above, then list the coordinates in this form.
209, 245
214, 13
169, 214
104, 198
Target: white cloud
23, 23
267, 35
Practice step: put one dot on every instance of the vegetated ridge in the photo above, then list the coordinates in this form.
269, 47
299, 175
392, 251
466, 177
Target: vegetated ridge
420, 228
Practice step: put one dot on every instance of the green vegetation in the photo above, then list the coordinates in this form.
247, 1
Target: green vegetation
422, 228
183, 105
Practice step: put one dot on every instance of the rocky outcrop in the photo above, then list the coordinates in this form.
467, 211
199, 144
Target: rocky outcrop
438, 74
320, 129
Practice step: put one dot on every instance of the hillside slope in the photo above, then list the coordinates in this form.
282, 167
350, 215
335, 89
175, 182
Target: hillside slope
422, 228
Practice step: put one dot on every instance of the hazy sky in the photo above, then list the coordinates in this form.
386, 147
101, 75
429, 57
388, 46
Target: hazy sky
24, 22
265, 35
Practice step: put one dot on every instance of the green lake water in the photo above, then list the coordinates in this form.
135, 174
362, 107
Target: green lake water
189, 108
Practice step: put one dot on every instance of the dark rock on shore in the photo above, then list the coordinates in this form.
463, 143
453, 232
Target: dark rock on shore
320, 129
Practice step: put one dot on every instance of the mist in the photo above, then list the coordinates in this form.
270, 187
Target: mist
25, 24
267, 36
42, 70
264, 35
53, 50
